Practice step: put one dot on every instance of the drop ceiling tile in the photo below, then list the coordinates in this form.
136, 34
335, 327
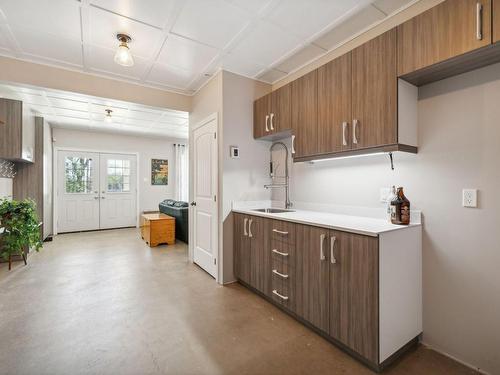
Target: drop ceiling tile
271, 76
57, 17
40, 109
99, 109
266, 44
152, 12
104, 26
213, 22
347, 29
68, 103
253, 6
390, 6
170, 76
49, 46
102, 60
144, 115
186, 54
307, 18
34, 99
241, 66
300, 58
174, 120
61, 112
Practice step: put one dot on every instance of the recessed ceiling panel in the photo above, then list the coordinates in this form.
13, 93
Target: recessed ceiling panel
57, 17
347, 29
300, 58
186, 54
213, 22
266, 44
49, 46
152, 12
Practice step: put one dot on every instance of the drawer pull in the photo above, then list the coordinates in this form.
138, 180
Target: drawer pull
275, 292
280, 253
479, 21
280, 274
280, 232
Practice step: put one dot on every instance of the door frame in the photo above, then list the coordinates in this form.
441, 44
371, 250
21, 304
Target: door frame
55, 171
220, 260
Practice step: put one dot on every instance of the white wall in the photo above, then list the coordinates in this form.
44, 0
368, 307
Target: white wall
148, 148
5, 188
243, 178
459, 139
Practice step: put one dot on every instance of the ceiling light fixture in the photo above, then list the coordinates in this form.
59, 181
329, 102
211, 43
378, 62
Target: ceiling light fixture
108, 117
123, 56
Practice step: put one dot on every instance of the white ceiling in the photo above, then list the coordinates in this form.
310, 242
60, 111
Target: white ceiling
178, 44
74, 111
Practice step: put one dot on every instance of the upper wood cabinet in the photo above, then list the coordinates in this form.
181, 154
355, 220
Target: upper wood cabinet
304, 94
496, 20
272, 114
17, 132
447, 30
334, 105
375, 93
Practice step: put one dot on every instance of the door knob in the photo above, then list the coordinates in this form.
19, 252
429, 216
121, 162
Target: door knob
193, 203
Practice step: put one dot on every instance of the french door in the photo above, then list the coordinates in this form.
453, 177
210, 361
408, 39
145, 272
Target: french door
96, 191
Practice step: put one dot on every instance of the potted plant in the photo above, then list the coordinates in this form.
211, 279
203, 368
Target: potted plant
21, 228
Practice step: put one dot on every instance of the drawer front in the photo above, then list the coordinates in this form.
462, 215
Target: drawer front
283, 274
283, 231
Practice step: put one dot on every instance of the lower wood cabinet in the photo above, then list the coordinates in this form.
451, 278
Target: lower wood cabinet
361, 292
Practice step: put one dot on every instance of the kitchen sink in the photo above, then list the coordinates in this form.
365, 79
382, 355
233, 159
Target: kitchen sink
272, 210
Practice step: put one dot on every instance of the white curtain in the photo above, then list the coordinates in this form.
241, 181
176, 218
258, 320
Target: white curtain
181, 172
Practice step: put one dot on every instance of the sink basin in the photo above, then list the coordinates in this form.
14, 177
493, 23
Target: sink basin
272, 210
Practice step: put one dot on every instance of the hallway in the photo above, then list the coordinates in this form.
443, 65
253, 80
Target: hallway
104, 302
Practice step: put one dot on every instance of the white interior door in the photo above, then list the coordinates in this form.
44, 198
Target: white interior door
78, 191
118, 191
205, 249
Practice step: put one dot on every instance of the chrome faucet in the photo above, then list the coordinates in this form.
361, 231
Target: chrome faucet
272, 168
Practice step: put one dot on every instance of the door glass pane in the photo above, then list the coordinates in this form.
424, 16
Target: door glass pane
118, 176
78, 174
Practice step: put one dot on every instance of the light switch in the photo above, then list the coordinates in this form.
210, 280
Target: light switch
469, 198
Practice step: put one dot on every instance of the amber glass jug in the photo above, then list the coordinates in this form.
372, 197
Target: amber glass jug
400, 209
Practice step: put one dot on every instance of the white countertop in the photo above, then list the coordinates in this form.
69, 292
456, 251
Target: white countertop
348, 223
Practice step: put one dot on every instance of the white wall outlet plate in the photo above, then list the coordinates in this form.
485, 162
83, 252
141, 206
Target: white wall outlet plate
234, 152
384, 194
469, 198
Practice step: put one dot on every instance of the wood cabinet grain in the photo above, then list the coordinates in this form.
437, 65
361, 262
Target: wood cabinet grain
374, 92
334, 105
280, 113
443, 32
312, 276
11, 116
304, 104
241, 248
496, 20
354, 293
261, 111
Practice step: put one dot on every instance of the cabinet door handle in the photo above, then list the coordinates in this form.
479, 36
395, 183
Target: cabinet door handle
272, 125
280, 232
280, 253
354, 128
293, 144
332, 246
321, 250
344, 128
275, 292
245, 226
280, 274
250, 228
479, 21
267, 123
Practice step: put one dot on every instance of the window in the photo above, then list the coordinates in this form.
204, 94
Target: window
78, 174
118, 176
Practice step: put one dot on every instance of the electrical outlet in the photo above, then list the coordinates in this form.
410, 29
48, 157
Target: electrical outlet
384, 194
469, 198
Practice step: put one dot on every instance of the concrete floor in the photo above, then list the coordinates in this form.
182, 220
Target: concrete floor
105, 303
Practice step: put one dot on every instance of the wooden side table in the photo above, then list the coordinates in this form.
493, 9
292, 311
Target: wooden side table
157, 228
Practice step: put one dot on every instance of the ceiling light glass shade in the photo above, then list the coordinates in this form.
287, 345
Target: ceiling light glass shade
123, 56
